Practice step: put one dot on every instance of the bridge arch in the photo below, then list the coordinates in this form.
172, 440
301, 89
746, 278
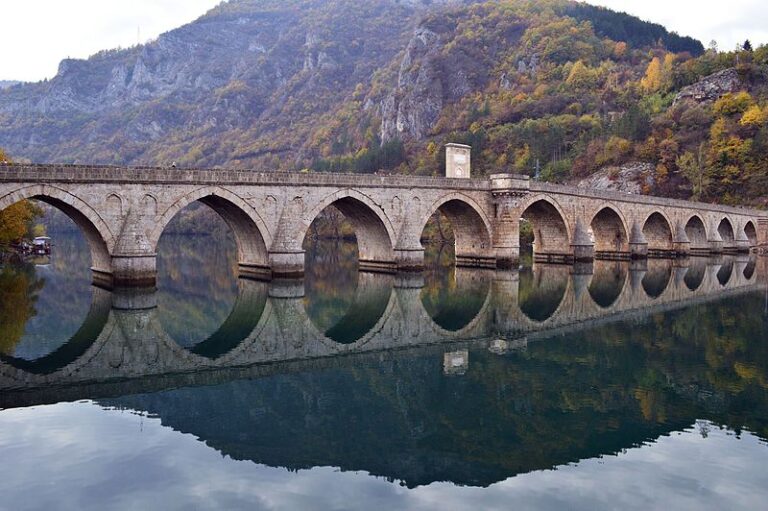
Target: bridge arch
251, 233
97, 233
610, 231
657, 230
750, 231
727, 232
551, 231
696, 231
471, 228
373, 229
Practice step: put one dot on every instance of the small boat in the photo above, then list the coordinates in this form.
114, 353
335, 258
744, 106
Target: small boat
41, 245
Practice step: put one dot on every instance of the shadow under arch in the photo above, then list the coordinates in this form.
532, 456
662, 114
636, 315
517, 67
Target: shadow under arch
252, 236
695, 275
97, 234
696, 231
453, 302
241, 322
725, 272
76, 346
726, 231
657, 230
608, 282
551, 233
751, 233
373, 231
371, 300
657, 279
611, 234
471, 229
542, 291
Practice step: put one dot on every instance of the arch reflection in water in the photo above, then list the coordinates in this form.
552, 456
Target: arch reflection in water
725, 272
694, 277
542, 290
657, 278
454, 298
341, 302
45, 301
73, 348
608, 282
198, 288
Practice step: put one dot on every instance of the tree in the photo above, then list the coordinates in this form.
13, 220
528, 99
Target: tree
651, 82
16, 220
747, 46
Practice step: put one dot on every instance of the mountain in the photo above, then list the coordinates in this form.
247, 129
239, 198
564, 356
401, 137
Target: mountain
552, 88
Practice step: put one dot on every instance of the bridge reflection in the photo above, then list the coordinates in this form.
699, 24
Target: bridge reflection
275, 324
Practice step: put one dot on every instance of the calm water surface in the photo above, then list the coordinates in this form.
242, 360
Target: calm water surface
612, 386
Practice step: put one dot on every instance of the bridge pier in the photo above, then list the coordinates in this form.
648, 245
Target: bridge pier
134, 270
287, 264
409, 259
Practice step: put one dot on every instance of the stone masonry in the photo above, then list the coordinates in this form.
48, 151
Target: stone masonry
123, 212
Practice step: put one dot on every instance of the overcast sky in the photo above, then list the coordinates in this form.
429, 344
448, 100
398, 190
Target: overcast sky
37, 34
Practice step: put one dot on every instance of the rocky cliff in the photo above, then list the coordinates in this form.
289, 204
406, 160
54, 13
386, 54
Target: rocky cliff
276, 83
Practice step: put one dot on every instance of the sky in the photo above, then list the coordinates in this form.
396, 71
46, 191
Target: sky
46, 31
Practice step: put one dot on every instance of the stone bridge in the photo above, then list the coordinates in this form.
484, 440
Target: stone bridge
123, 212
269, 329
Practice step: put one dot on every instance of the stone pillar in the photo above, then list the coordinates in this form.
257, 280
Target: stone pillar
134, 261
458, 161
741, 241
582, 246
508, 190
638, 245
762, 236
287, 263
681, 244
409, 259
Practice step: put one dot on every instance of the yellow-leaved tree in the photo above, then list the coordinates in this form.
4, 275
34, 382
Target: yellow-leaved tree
15, 220
651, 82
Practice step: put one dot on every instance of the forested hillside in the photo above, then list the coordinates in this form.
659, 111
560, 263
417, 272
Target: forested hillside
551, 88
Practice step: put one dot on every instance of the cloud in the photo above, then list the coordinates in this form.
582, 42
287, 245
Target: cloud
727, 23
76, 456
38, 34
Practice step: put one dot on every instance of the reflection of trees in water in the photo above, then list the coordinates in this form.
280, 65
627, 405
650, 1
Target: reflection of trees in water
62, 293
331, 280
542, 289
563, 399
197, 276
452, 296
19, 290
197, 286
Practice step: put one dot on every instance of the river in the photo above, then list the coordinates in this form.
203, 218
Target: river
608, 386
